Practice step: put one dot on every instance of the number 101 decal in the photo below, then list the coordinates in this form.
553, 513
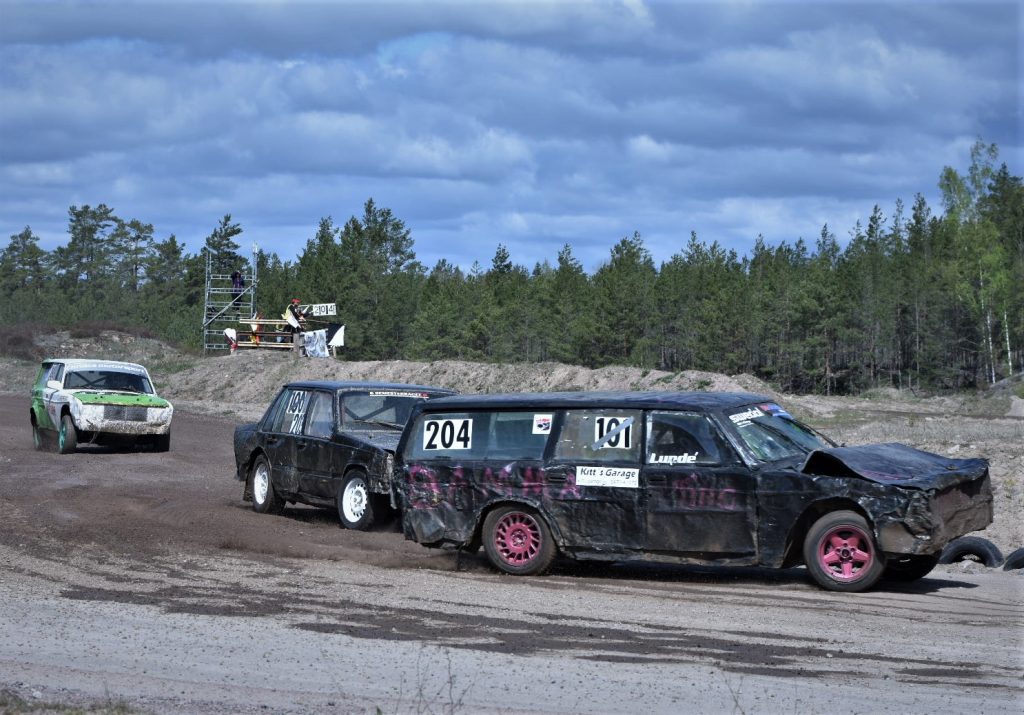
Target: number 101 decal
613, 433
448, 434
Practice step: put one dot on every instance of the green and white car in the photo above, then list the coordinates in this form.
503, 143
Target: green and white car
98, 401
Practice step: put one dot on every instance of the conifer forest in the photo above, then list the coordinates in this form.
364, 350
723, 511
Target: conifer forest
918, 297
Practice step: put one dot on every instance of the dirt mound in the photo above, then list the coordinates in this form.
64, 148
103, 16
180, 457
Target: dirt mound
256, 376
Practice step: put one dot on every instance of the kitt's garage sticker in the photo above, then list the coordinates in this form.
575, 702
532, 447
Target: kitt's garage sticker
447, 434
607, 477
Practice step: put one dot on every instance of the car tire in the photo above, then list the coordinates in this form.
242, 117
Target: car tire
983, 551
518, 541
67, 436
840, 553
162, 442
356, 505
908, 568
38, 439
1014, 561
264, 498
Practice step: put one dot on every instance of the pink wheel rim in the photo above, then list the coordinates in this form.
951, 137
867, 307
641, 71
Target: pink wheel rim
845, 553
517, 538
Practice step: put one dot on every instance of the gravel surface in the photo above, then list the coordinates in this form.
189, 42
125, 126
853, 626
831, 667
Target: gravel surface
141, 582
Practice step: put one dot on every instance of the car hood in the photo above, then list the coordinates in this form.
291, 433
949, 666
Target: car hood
103, 397
384, 439
895, 464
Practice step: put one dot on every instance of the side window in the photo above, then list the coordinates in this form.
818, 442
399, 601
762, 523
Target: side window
518, 435
684, 438
600, 435
44, 375
320, 414
291, 412
57, 372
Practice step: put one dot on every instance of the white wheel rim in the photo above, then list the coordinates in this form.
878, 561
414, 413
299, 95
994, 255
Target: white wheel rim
353, 501
260, 484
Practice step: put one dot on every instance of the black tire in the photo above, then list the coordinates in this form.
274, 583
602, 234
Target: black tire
357, 507
909, 568
162, 442
518, 541
38, 439
67, 436
264, 499
1014, 561
972, 548
840, 553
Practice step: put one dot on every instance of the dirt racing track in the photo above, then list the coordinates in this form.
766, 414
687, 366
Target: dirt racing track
142, 580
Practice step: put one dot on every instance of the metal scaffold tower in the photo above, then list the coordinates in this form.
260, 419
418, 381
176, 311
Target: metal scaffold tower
225, 305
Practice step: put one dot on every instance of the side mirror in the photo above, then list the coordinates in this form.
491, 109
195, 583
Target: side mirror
53, 384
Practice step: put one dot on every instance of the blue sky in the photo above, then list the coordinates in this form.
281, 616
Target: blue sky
531, 124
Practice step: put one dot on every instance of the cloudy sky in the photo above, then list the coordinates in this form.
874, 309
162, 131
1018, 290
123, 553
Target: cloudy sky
531, 124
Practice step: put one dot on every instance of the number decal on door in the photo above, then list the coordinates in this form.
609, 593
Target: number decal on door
447, 434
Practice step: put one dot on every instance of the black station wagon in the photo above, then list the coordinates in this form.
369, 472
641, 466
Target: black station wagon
327, 444
710, 478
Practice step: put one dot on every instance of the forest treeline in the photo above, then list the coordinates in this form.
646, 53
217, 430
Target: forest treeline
916, 299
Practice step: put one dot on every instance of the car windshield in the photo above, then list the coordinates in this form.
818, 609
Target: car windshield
379, 408
771, 434
107, 380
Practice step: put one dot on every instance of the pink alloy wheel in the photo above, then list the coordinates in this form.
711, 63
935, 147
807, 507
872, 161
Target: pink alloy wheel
845, 553
517, 538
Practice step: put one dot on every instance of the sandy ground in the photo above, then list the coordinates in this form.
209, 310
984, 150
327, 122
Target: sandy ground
143, 580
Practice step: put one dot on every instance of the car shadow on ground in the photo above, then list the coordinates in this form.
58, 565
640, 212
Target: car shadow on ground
711, 575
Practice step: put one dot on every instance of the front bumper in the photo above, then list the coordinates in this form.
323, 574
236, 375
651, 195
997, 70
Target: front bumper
127, 420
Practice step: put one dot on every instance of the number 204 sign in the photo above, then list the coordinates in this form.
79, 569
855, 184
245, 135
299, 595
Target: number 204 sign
448, 434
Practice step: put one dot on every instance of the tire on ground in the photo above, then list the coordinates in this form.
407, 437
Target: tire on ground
1014, 561
264, 498
907, 568
38, 439
971, 548
518, 541
67, 437
357, 506
840, 553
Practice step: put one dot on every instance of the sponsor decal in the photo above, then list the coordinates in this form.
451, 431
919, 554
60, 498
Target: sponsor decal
542, 424
673, 458
395, 393
775, 410
607, 477
743, 417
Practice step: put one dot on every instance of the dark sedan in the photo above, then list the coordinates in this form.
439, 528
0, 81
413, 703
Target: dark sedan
708, 478
327, 444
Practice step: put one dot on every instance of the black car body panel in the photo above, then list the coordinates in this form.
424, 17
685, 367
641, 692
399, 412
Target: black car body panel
310, 452
734, 508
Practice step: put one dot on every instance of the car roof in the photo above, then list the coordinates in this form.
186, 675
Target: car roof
562, 400
355, 385
88, 364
